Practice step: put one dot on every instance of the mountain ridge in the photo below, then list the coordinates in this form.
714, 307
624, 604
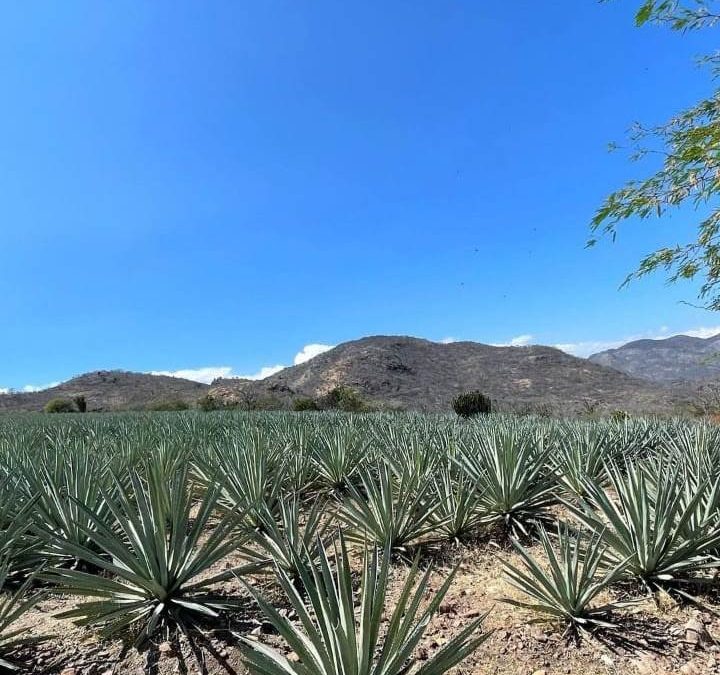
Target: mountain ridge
676, 359
411, 373
109, 390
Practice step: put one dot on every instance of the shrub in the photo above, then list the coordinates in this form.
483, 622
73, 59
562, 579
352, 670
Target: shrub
472, 403
208, 403
305, 404
267, 403
59, 405
80, 403
168, 405
345, 399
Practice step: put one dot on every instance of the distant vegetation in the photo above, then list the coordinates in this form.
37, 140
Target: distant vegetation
471, 404
59, 405
305, 404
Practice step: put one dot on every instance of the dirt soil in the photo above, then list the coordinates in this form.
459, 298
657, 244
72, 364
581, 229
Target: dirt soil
658, 639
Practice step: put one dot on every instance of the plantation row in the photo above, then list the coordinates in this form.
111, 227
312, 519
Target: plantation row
133, 515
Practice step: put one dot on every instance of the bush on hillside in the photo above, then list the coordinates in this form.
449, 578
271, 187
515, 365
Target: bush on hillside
59, 405
80, 403
345, 399
305, 404
208, 403
472, 403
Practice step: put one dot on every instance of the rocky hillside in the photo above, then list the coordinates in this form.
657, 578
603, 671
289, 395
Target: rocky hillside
414, 374
110, 390
676, 359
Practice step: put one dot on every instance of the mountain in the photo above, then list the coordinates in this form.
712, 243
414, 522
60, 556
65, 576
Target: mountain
414, 374
110, 390
675, 359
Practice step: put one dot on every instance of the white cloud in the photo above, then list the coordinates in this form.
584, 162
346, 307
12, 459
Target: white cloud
209, 373
310, 351
205, 375
701, 332
4, 390
517, 341
521, 341
448, 340
30, 388
586, 348
265, 371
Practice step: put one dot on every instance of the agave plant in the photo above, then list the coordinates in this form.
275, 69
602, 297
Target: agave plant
647, 519
509, 470
65, 487
154, 553
458, 500
338, 455
291, 541
20, 547
249, 475
13, 604
339, 631
576, 575
390, 510
582, 452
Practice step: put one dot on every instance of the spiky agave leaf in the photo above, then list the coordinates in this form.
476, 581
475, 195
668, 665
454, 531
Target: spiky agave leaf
339, 630
154, 552
509, 467
458, 498
391, 509
647, 518
291, 540
249, 472
13, 604
338, 455
582, 452
575, 577
65, 486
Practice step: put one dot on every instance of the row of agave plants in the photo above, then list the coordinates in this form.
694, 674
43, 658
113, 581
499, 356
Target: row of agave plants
133, 516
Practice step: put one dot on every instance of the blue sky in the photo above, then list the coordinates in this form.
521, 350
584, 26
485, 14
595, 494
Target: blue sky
215, 185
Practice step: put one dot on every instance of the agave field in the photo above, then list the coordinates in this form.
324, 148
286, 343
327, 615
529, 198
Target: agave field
331, 544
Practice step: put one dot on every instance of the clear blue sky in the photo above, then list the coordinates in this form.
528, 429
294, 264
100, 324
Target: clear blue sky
195, 184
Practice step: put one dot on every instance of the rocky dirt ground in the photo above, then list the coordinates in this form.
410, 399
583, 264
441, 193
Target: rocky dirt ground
654, 637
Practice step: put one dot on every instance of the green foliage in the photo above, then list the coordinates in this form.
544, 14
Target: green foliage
472, 403
574, 578
687, 175
509, 468
13, 604
80, 403
139, 514
156, 555
458, 500
339, 631
59, 405
678, 15
650, 522
305, 404
168, 405
208, 403
391, 508
345, 399
289, 540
